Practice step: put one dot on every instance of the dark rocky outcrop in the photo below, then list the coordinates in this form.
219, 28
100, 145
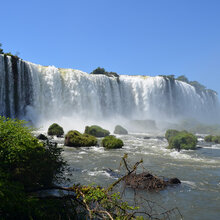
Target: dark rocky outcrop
42, 137
147, 181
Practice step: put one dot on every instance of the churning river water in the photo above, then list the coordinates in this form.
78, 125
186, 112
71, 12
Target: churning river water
198, 196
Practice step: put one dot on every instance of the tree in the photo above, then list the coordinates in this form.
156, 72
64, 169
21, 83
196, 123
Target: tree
182, 78
99, 70
1, 50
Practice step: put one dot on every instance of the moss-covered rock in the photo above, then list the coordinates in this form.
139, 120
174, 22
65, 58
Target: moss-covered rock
76, 139
183, 140
120, 130
111, 142
96, 131
55, 129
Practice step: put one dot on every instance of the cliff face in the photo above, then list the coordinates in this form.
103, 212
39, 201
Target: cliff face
34, 92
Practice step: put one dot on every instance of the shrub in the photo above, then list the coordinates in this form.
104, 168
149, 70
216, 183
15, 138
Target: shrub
216, 139
183, 140
120, 130
208, 138
96, 131
55, 129
101, 71
111, 142
76, 139
170, 133
211, 138
24, 158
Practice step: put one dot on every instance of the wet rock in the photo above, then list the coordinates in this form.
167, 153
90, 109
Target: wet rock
42, 137
120, 130
174, 181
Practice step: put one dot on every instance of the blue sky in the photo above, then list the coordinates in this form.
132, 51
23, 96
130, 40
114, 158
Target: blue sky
147, 37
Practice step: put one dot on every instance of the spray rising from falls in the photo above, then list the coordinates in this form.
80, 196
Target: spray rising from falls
38, 93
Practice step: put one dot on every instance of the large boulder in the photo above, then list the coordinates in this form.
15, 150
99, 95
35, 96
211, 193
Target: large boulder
120, 130
111, 142
75, 139
182, 140
55, 129
96, 131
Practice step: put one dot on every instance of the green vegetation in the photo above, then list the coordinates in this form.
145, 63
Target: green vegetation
55, 129
199, 87
1, 50
216, 139
76, 139
8, 53
181, 140
120, 130
101, 71
171, 77
183, 79
111, 142
208, 138
96, 131
211, 138
170, 133
26, 165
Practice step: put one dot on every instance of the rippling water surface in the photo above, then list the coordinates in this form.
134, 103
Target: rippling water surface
198, 197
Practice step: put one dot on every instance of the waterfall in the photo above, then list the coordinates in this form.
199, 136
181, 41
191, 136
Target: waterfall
36, 93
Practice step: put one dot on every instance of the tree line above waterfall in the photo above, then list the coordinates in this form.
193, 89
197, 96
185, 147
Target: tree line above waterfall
8, 53
198, 86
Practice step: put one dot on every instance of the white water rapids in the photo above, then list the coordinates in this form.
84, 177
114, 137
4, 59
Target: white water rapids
38, 94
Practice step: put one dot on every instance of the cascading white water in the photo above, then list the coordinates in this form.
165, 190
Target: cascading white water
38, 93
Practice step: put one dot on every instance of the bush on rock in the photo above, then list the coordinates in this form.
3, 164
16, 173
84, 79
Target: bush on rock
55, 129
120, 130
216, 139
209, 138
96, 131
183, 140
111, 142
76, 139
170, 133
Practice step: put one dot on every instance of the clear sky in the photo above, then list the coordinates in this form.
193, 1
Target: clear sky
147, 37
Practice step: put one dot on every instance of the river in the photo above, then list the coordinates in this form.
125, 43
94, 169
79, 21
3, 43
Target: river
198, 197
